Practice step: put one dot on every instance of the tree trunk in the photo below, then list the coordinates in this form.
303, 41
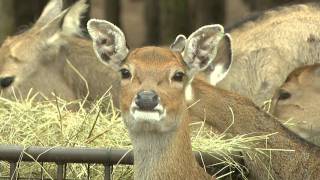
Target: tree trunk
112, 11
203, 12
151, 11
7, 22
173, 19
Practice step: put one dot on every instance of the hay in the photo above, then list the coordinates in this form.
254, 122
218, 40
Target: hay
50, 123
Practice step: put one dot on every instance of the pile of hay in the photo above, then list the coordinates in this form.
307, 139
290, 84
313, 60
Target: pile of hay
50, 123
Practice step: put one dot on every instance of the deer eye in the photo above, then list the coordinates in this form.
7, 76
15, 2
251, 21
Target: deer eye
125, 73
284, 95
178, 76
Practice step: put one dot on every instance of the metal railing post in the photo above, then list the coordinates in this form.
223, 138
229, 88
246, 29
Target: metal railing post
13, 170
60, 171
107, 172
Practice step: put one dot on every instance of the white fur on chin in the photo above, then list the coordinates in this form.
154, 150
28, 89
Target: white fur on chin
156, 115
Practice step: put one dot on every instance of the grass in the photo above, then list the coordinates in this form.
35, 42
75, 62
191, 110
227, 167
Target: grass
51, 123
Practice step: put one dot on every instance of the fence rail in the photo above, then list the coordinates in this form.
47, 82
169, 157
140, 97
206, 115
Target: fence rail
62, 156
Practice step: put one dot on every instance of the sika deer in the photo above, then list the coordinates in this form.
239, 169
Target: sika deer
218, 106
297, 102
267, 48
153, 105
52, 57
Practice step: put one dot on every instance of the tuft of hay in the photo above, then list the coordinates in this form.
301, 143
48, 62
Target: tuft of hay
51, 123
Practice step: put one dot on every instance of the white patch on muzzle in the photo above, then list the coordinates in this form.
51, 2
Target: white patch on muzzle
155, 115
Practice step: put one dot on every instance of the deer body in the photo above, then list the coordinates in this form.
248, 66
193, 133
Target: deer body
268, 48
215, 104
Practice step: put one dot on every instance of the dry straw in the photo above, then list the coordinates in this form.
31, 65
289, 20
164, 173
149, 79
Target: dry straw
51, 123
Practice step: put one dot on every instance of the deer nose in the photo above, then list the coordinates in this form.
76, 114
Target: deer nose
6, 81
147, 100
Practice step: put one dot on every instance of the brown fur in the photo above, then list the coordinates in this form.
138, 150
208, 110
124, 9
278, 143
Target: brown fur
215, 104
38, 59
267, 49
301, 108
162, 150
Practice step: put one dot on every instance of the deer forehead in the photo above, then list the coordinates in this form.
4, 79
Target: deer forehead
155, 60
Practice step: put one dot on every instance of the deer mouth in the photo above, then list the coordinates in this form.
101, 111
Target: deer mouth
155, 115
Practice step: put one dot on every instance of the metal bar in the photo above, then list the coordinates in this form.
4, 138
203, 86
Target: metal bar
107, 172
60, 172
22, 178
41, 170
105, 156
109, 156
13, 170
12, 153
88, 172
65, 171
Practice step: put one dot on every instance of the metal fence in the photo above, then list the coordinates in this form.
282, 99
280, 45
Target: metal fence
62, 156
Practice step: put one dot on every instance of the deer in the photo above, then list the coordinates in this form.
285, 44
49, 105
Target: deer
295, 103
54, 58
159, 84
152, 101
266, 48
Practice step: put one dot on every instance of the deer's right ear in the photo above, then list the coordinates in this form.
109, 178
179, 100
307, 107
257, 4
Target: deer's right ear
109, 42
50, 12
179, 43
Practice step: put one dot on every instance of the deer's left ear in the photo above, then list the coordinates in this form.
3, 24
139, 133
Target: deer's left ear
220, 66
202, 46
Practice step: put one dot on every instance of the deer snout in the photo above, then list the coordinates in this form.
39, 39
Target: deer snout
6, 81
147, 100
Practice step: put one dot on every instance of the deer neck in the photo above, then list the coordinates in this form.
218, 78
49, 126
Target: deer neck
165, 155
231, 113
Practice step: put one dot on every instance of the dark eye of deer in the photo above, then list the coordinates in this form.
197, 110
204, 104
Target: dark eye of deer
284, 95
125, 73
178, 76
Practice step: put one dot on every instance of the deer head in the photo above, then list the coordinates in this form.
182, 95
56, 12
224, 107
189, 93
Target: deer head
27, 60
153, 79
297, 101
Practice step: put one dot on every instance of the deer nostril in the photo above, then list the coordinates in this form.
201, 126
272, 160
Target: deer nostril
6, 81
147, 100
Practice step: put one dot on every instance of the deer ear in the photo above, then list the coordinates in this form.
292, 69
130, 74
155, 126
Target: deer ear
201, 47
219, 67
50, 12
179, 43
66, 23
72, 21
109, 42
